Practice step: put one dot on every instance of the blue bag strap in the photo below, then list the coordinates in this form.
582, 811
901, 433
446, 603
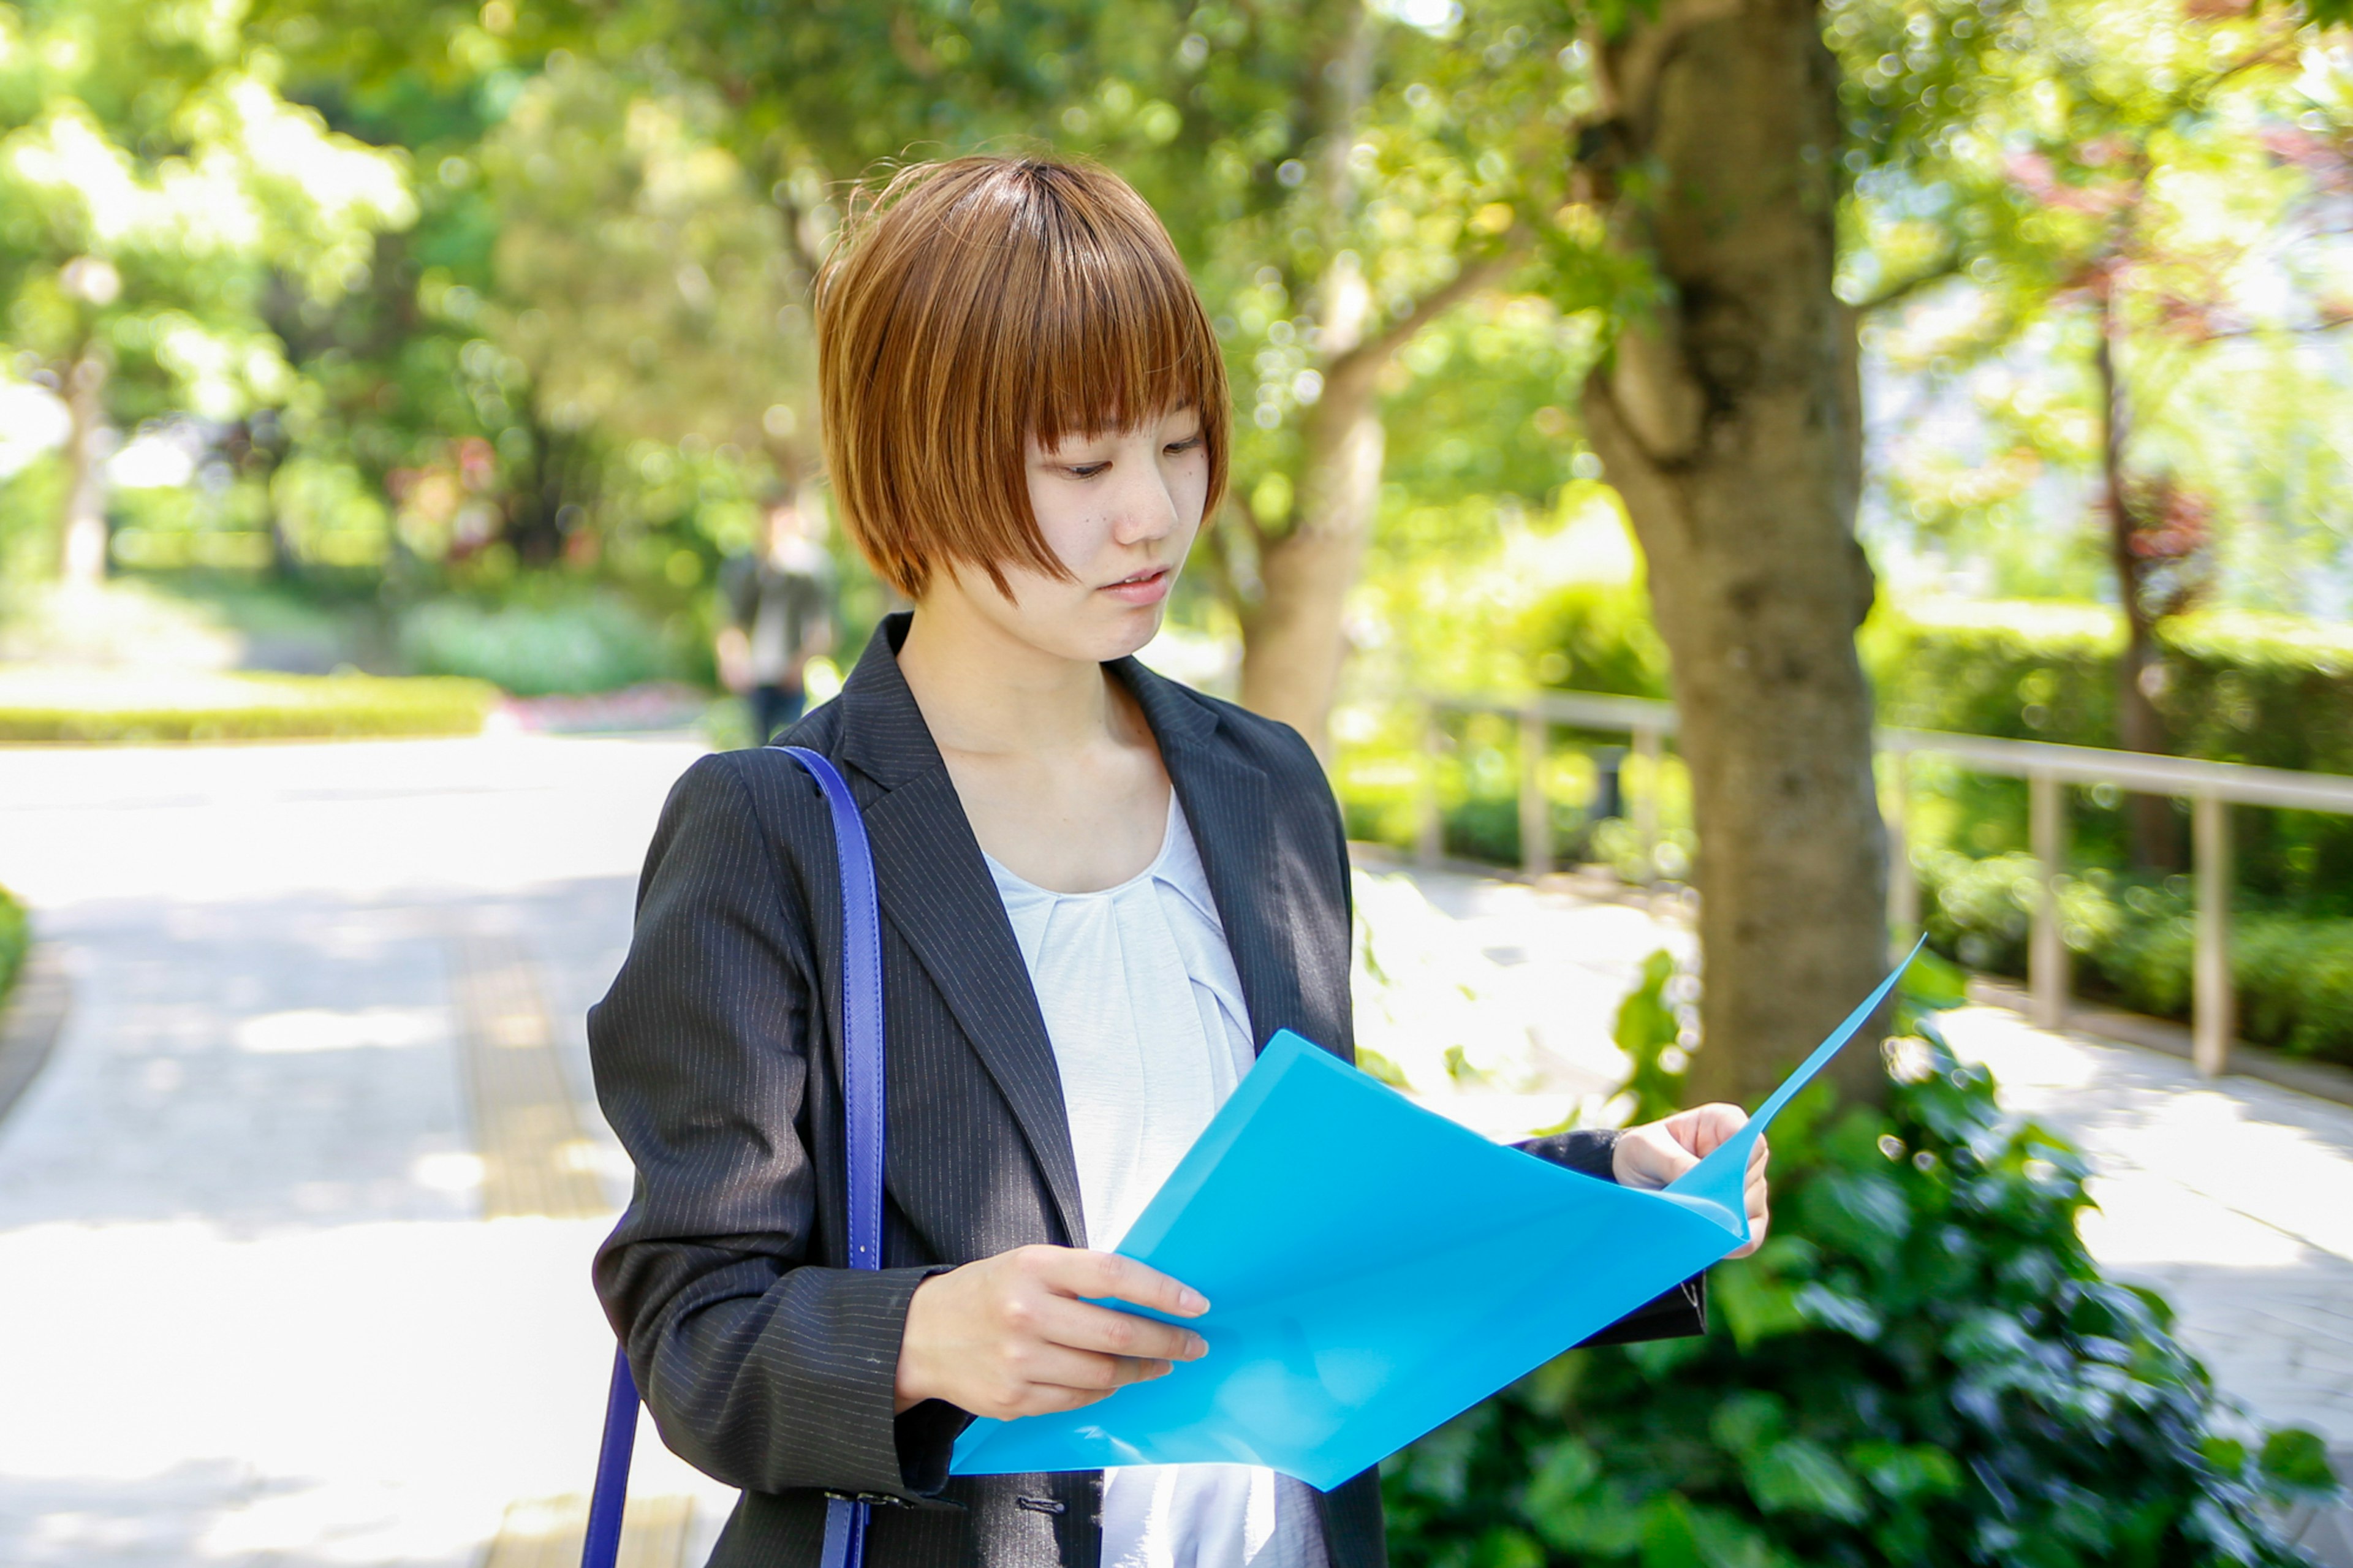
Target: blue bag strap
861, 1090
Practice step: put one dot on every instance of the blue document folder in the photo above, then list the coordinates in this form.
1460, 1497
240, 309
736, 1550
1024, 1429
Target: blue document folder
1374, 1269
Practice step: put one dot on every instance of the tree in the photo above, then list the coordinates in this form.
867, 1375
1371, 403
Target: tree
642, 287
1727, 415
153, 187
2127, 172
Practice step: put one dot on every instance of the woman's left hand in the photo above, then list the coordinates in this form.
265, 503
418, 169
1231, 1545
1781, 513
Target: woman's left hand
1652, 1155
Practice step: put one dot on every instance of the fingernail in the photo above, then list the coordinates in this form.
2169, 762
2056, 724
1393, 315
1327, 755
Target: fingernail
1191, 1300
1195, 1348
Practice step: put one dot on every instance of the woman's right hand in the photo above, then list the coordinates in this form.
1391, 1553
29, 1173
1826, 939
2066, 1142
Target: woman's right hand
1010, 1335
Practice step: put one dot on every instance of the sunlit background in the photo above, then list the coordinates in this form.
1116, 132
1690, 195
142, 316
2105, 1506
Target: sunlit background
386, 387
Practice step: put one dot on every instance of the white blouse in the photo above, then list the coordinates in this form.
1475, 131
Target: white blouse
1145, 1015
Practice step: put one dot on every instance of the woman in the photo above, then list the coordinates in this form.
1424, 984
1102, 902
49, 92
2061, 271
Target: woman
1101, 892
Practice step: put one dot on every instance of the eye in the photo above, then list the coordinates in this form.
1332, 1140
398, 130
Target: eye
1086, 470
1186, 445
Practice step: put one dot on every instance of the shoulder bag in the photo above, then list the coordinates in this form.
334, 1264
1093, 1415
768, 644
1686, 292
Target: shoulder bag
861, 1082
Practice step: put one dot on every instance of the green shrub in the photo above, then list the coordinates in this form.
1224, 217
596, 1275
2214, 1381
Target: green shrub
2238, 689
586, 644
138, 707
15, 940
1922, 1367
1597, 636
2134, 944
2024, 670
2294, 978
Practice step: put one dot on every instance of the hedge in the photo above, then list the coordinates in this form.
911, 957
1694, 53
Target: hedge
570, 646
2134, 944
132, 707
2238, 688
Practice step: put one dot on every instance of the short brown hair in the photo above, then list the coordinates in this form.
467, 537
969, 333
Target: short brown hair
973, 304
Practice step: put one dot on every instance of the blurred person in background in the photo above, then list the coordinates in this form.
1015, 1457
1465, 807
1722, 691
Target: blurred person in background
779, 605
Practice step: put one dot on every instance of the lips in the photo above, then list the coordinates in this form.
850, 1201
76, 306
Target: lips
1148, 586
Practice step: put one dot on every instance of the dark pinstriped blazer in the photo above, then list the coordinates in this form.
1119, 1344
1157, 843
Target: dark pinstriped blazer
766, 1360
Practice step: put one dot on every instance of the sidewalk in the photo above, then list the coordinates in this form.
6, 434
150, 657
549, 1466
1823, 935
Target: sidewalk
256, 1314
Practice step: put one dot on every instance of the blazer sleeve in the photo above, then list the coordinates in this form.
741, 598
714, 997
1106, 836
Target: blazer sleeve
762, 1367
1682, 1310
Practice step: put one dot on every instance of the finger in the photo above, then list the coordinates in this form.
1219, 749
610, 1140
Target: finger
1084, 1327
1102, 1274
1059, 1366
1712, 1124
1758, 1154
1650, 1157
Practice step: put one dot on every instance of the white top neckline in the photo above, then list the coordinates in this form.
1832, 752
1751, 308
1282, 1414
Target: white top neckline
1158, 868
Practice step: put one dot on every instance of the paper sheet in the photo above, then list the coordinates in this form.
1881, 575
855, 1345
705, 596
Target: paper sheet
1374, 1269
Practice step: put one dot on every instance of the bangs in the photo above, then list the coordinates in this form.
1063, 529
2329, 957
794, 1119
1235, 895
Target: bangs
1117, 336
974, 306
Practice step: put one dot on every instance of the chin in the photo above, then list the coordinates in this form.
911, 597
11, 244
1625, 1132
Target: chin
1137, 628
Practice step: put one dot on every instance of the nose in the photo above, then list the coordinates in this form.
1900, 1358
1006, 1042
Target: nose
1145, 511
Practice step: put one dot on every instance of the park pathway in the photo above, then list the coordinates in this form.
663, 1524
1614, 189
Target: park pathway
296, 1222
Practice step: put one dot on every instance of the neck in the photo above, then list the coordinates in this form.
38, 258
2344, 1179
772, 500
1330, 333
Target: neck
982, 689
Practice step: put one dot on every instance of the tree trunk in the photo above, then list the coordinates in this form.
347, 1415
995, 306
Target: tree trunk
2151, 827
1292, 642
1729, 420
81, 548
1295, 643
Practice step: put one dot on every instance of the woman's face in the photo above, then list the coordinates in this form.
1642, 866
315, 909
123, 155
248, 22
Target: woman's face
1120, 509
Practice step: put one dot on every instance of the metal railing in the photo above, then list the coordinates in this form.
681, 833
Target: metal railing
2209, 787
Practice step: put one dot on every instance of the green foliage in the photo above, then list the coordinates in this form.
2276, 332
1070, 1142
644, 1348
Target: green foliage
15, 940
138, 711
1648, 1029
2135, 945
579, 643
1922, 1367
1599, 637
154, 188
2240, 687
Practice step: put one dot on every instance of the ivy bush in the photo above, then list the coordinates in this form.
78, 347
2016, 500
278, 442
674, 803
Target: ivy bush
1922, 1367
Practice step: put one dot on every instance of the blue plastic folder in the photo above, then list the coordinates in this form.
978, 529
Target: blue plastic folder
1373, 1269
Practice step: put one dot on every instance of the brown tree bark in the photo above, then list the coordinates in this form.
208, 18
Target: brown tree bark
1294, 647
1729, 420
2154, 835
81, 534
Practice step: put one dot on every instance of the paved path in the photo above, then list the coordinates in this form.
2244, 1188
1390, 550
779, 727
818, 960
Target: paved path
254, 1306
253, 1311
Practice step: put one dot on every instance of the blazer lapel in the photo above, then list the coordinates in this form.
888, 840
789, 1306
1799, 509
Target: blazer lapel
937, 893
1228, 803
